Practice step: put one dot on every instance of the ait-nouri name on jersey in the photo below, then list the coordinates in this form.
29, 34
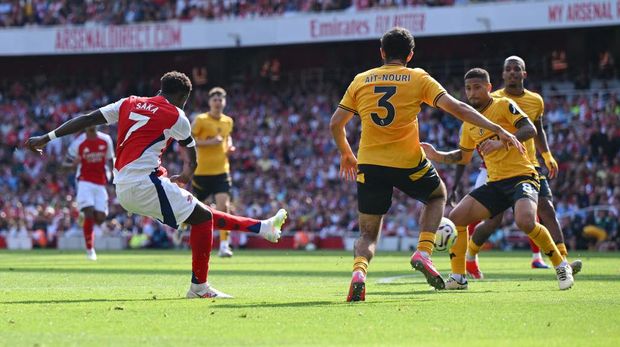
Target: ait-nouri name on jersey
146, 126
93, 153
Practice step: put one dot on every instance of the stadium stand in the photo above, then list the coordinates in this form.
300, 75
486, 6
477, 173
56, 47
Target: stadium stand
285, 135
116, 12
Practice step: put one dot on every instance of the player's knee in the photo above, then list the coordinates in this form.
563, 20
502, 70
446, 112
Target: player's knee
456, 216
89, 212
494, 223
526, 222
99, 218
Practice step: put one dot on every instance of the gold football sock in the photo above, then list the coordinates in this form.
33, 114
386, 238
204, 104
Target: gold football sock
426, 242
472, 249
543, 239
457, 251
562, 249
360, 264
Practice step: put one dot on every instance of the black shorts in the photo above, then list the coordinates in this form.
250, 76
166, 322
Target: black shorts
204, 186
500, 195
375, 185
545, 189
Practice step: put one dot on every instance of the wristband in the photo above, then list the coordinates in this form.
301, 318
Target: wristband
52, 135
547, 156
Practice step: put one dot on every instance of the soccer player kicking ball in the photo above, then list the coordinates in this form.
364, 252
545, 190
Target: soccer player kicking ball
92, 150
513, 180
532, 104
146, 126
388, 100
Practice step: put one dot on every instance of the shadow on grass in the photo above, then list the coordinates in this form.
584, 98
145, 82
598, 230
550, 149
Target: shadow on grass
433, 292
233, 272
79, 301
223, 303
341, 303
490, 277
535, 275
276, 304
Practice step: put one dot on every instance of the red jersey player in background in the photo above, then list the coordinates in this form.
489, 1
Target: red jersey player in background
146, 126
91, 151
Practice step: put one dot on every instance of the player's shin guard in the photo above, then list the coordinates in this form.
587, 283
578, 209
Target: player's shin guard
426, 242
201, 241
562, 248
225, 221
457, 251
543, 239
89, 238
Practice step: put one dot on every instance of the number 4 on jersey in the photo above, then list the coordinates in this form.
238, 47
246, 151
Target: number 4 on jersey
141, 121
388, 92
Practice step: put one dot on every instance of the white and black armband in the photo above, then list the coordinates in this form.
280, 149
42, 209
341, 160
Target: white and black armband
188, 142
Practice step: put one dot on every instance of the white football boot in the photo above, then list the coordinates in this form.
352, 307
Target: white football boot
454, 283
271, 228
565, 276
91, 254
204, 291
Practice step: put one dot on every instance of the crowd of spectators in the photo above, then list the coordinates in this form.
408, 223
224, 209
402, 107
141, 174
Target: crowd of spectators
116, 12
285, 158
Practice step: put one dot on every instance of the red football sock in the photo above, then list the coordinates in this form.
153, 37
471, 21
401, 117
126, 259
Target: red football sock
89, 224
534, 247
201, 241
225, 221
472, 228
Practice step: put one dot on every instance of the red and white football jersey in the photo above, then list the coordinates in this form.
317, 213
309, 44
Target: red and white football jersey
146, 126
93, 155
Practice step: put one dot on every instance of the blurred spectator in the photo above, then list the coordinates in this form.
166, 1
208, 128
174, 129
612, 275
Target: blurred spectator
72, 12
601, 230
285, 157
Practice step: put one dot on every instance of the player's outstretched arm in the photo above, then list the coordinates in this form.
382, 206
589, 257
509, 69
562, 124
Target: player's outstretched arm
457, 156
72, 126
348, 161
525, 131
468, 114
543, 147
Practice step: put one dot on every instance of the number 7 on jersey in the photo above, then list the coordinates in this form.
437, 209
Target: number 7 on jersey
141, 121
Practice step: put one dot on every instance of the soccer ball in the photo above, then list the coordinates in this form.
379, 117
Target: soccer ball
445, 235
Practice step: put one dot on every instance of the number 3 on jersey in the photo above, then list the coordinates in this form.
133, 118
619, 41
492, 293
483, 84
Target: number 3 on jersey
141, 121
388, 92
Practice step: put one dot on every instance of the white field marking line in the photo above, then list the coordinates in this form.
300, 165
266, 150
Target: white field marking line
389, 280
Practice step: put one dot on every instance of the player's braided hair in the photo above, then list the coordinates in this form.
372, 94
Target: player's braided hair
174, 82
397, 43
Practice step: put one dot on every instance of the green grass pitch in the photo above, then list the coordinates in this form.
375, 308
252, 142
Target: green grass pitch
53, 298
